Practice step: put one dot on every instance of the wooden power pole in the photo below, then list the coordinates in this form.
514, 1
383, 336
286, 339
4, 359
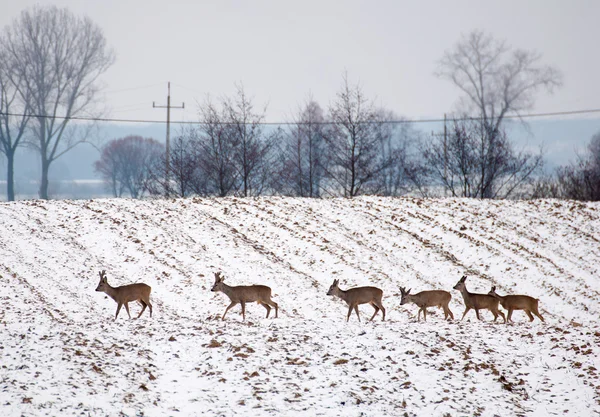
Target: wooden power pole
168, 150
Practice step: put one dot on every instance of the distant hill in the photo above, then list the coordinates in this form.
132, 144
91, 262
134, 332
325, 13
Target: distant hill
62, 353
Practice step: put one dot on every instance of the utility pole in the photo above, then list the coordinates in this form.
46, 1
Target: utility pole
168, 154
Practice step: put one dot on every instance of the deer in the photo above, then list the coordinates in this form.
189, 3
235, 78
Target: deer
478, 301
243, 294
126, 293
359, 295
424, 299
517, 302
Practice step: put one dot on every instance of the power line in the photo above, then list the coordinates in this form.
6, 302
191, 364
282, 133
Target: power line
403, 121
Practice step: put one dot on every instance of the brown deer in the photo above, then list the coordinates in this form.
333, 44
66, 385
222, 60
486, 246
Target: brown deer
517, 302
424, 299
359, 295
478, 301
126, 293
243, 294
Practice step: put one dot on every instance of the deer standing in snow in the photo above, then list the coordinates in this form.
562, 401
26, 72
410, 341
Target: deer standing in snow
478, 301
126, 293
359, 295
517, 302
243, 294
424, 299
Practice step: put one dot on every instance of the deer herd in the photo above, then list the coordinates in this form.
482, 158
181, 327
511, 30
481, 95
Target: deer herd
261, 294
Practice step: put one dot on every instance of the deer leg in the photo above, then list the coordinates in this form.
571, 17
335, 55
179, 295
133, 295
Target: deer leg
419, 315
356, 309
424, 313
529, 315
450, 312
243, 303
379, 306
465, 313
118, 309
227, 309
509, 315
127, 309
150, 307
376, 311
538, 314
143, 303
502, 315
274, 304
349, 312
477, 314
268, 307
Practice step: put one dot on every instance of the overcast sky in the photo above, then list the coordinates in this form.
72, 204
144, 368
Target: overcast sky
283, 50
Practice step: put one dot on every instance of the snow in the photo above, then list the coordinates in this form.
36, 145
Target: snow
61, 353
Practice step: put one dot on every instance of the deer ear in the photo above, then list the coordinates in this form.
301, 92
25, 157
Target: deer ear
494, 289
408, 292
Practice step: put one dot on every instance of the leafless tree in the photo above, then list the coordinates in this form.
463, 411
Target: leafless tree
128, 163
215, 151
495, 80
353, 143
60, 57
184, 178
302, 153
108, 166
466, 169
252, 146
14, 118
580, 180
396, 141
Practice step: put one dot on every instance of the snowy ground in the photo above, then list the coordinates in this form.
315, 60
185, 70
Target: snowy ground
61, 353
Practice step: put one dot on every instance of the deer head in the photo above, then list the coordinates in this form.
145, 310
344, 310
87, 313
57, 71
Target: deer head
334, 287
404, 296
218, 285
103, 284
461, 283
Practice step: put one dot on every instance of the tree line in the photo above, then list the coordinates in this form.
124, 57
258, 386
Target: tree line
51, 60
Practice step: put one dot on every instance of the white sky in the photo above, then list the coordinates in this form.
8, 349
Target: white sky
282, 50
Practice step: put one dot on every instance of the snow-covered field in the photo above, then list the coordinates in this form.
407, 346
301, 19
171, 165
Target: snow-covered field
62, 354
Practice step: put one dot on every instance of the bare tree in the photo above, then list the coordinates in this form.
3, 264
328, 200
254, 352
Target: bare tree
395, 144
495, 80
14, 118
184, 177
108, 166
215, 151
467, 169
302, 153
353, 143
580, 180
251, 145
127, 163
60, 57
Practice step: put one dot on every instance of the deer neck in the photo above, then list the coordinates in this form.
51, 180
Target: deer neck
227, 290
466, 294
342, 294
111, 291
411, 299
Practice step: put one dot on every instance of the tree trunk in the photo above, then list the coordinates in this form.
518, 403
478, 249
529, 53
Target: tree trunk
10, 180
44, 182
